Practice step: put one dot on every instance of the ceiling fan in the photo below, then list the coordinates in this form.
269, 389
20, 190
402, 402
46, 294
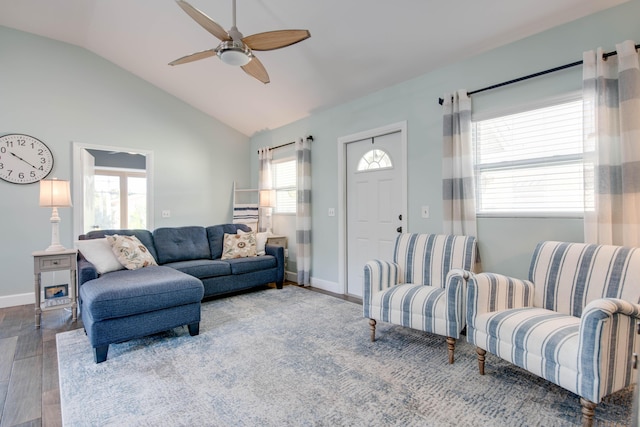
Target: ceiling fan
234, 48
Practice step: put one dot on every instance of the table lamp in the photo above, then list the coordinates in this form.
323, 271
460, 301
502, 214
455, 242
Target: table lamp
55, 193
267, 200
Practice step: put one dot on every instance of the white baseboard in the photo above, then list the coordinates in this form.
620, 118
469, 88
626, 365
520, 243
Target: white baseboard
291, 276
18, 299
326, 285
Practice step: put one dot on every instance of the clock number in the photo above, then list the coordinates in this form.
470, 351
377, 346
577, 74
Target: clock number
43, 160
9, 143
1, 165
22, 142
21, 175
40, 151
32, 174
3, 150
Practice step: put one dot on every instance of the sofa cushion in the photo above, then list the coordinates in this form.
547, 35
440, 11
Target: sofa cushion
130, 252
128, 292
239, 246
202, 268
145, 237
181, 244
419, 307
215, 235
542, 341
251, 264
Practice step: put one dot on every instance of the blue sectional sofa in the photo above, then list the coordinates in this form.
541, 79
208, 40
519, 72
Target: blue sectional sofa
196, 251
121, 305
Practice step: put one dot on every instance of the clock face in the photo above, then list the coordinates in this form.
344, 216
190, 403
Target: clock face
24, 159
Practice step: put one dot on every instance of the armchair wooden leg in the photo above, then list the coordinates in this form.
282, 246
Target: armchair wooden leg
451, 346
372, 324
588, 411
481, 353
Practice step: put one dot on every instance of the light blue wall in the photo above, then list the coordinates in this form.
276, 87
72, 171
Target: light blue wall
506, 243
61, 94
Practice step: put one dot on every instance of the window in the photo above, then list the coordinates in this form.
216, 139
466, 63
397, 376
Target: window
374, 159
531, 163
285, 185
120, 199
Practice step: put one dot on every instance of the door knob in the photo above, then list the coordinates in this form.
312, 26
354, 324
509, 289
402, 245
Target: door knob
399, 229
400, 217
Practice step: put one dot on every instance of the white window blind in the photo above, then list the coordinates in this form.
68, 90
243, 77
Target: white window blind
284, 182
531, 162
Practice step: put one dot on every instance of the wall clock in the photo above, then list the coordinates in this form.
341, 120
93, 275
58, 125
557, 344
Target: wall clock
24, 159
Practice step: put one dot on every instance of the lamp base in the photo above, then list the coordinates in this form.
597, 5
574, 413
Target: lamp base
55, 248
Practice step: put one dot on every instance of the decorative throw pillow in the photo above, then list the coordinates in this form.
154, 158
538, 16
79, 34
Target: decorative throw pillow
98, 252
131, 252
239, 245
261, 241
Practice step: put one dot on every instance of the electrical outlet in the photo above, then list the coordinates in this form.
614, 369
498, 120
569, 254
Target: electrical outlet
332, 211
425, 212
166, 213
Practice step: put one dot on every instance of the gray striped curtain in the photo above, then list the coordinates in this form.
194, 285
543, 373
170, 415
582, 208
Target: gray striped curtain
458, 188
611, 93
265, 182
303, 212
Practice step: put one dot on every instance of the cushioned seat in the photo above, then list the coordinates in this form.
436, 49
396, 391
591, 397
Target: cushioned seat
250, 265
128, 292
129, 304
412, 305
546, 341
202, 268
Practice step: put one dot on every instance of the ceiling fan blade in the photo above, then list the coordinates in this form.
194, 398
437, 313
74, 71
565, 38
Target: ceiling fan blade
194, 57
275, 39
204, 21
255, 69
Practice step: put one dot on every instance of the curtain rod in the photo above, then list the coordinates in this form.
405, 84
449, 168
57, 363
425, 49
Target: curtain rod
310, 137
530, 76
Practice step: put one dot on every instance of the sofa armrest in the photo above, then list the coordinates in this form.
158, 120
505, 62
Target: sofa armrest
86, 271
606, 345
488, 292
378, 276
278, 253
456, 297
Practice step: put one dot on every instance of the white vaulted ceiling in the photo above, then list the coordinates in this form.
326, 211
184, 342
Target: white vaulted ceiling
356, 46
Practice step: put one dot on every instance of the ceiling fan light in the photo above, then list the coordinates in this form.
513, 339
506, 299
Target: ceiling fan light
234, 53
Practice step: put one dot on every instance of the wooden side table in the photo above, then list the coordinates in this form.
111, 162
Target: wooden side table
277, 241
44, 261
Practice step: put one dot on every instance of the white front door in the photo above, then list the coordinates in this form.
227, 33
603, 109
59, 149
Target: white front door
374, 169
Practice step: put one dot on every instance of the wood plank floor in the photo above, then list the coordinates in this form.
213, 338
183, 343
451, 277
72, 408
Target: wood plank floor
29, 388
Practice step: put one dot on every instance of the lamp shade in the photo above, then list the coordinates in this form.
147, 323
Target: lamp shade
267, 199
55, 193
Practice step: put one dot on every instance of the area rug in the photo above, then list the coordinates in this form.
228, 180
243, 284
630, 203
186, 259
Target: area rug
293, 357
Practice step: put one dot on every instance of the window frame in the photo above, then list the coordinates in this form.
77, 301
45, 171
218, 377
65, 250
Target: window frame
559, 159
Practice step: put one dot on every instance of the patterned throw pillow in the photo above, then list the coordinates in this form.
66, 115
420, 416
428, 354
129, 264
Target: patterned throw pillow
131, 252
261, 241
239, 245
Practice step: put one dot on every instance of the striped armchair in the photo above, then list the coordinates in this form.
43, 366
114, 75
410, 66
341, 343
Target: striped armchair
424, 287
572, 323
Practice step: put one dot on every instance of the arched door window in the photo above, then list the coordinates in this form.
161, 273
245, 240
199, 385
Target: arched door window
374, 159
